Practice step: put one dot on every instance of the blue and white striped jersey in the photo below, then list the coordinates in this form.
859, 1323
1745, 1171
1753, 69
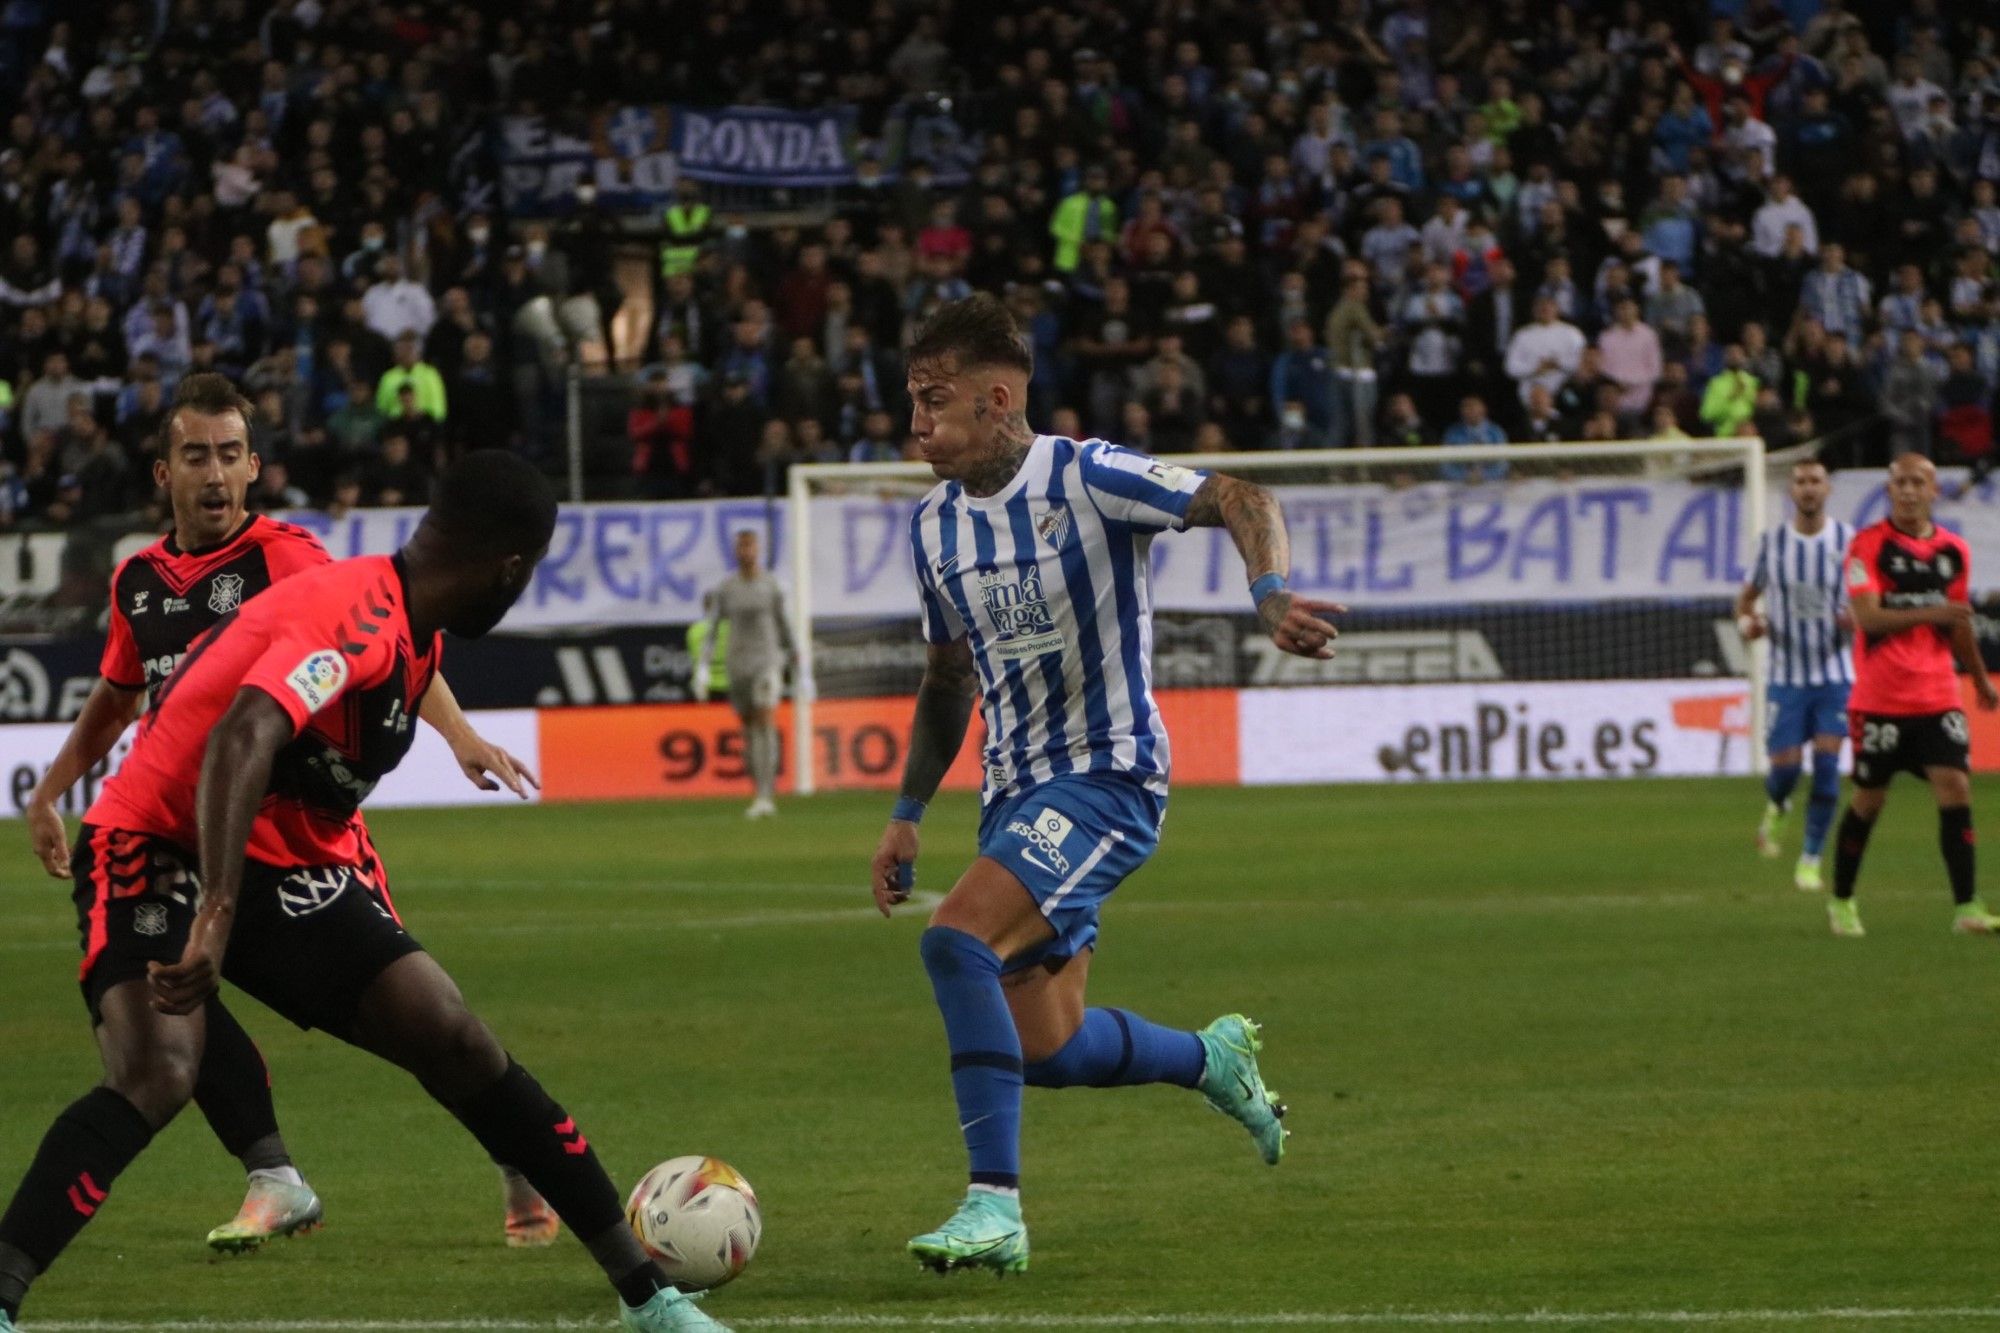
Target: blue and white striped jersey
1800, 578
1050, 581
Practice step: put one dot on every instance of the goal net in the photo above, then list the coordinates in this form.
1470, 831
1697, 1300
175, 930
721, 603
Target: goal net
1554, 610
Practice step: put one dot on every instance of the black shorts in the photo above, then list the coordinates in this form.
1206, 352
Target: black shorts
1886, 744
308, 941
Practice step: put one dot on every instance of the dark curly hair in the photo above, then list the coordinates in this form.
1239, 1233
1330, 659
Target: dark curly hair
978, 331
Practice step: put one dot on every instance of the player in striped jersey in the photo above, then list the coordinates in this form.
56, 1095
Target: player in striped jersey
1798, 575
1032, 576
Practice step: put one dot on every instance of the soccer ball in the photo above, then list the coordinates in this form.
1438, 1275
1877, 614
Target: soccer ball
698, 1218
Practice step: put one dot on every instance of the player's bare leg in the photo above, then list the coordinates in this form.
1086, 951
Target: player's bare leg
1780, 779
150, 1062
414, 1016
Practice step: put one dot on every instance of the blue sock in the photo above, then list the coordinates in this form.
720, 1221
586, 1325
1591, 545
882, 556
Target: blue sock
985, 1052
1115, 1049
1779, 782
1823, 801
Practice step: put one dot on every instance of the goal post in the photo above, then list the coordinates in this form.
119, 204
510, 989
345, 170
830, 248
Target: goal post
1532, 563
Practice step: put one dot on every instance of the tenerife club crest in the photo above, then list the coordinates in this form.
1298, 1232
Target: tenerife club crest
225, 594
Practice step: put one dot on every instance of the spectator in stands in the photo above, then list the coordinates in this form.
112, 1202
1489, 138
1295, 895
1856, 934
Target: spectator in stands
1473, 427
878, 443
1783, 209
45, 406
1546, 352
413, 372
1909, 396
1730, 397
1836, 296
1353, 339
1630, 353
1302, 384
397, 476
1086, 215
395, 305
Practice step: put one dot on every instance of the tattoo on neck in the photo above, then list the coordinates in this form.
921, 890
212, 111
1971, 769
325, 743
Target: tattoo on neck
1012, 444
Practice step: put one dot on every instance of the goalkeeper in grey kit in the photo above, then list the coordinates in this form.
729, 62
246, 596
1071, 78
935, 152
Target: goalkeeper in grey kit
760, 648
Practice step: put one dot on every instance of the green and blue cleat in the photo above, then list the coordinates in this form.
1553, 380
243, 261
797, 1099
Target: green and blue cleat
669, 1311
1807, 876
6, 1324
1231, 1082
270, 1209
985, 1232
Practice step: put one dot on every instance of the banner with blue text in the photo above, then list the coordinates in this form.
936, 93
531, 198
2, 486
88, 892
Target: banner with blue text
1372, 546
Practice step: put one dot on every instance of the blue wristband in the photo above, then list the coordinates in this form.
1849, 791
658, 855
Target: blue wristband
909, 809
1265, 586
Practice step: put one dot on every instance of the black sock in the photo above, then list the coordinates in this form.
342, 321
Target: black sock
233, 1090
1848, 845
94, 1139
17, 1274
641, 1284
1956, 841
521, 1125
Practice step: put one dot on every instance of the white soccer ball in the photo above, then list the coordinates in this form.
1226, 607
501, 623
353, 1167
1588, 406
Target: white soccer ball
698, 1218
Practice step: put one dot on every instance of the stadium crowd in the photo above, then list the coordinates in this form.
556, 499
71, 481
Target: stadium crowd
1224, 225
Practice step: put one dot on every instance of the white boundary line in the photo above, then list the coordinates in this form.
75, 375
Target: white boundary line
1285, 1319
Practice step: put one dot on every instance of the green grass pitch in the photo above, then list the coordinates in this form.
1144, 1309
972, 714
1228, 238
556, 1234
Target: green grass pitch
1560, 1055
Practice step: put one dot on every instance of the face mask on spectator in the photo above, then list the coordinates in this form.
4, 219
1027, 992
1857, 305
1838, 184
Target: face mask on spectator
536, 249
479, 234
371, 242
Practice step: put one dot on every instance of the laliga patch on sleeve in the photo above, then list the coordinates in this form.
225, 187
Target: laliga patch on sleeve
1857, 573
1173, 476
1168, 475
317, 679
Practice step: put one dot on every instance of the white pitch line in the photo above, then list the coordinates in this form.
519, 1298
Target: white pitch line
1281, 1319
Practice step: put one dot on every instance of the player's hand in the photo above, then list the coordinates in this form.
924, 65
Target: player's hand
49, 838
1296, 626
183, 987
1751, 627
1989, 698
698, 686
894, 871
489, 768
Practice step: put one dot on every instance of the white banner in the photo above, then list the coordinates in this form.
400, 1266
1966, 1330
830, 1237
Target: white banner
1559, 729
1427, 545
428, 775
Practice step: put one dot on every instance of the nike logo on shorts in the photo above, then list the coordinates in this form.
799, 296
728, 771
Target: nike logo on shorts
1034, 860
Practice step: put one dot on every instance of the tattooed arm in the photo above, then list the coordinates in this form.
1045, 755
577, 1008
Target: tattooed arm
1257, 525
944, 709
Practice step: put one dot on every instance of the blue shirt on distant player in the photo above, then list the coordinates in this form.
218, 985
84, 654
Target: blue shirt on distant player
1801, 579
1050, 582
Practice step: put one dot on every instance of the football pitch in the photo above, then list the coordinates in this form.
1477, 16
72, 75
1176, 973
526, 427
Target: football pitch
1558, 1056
